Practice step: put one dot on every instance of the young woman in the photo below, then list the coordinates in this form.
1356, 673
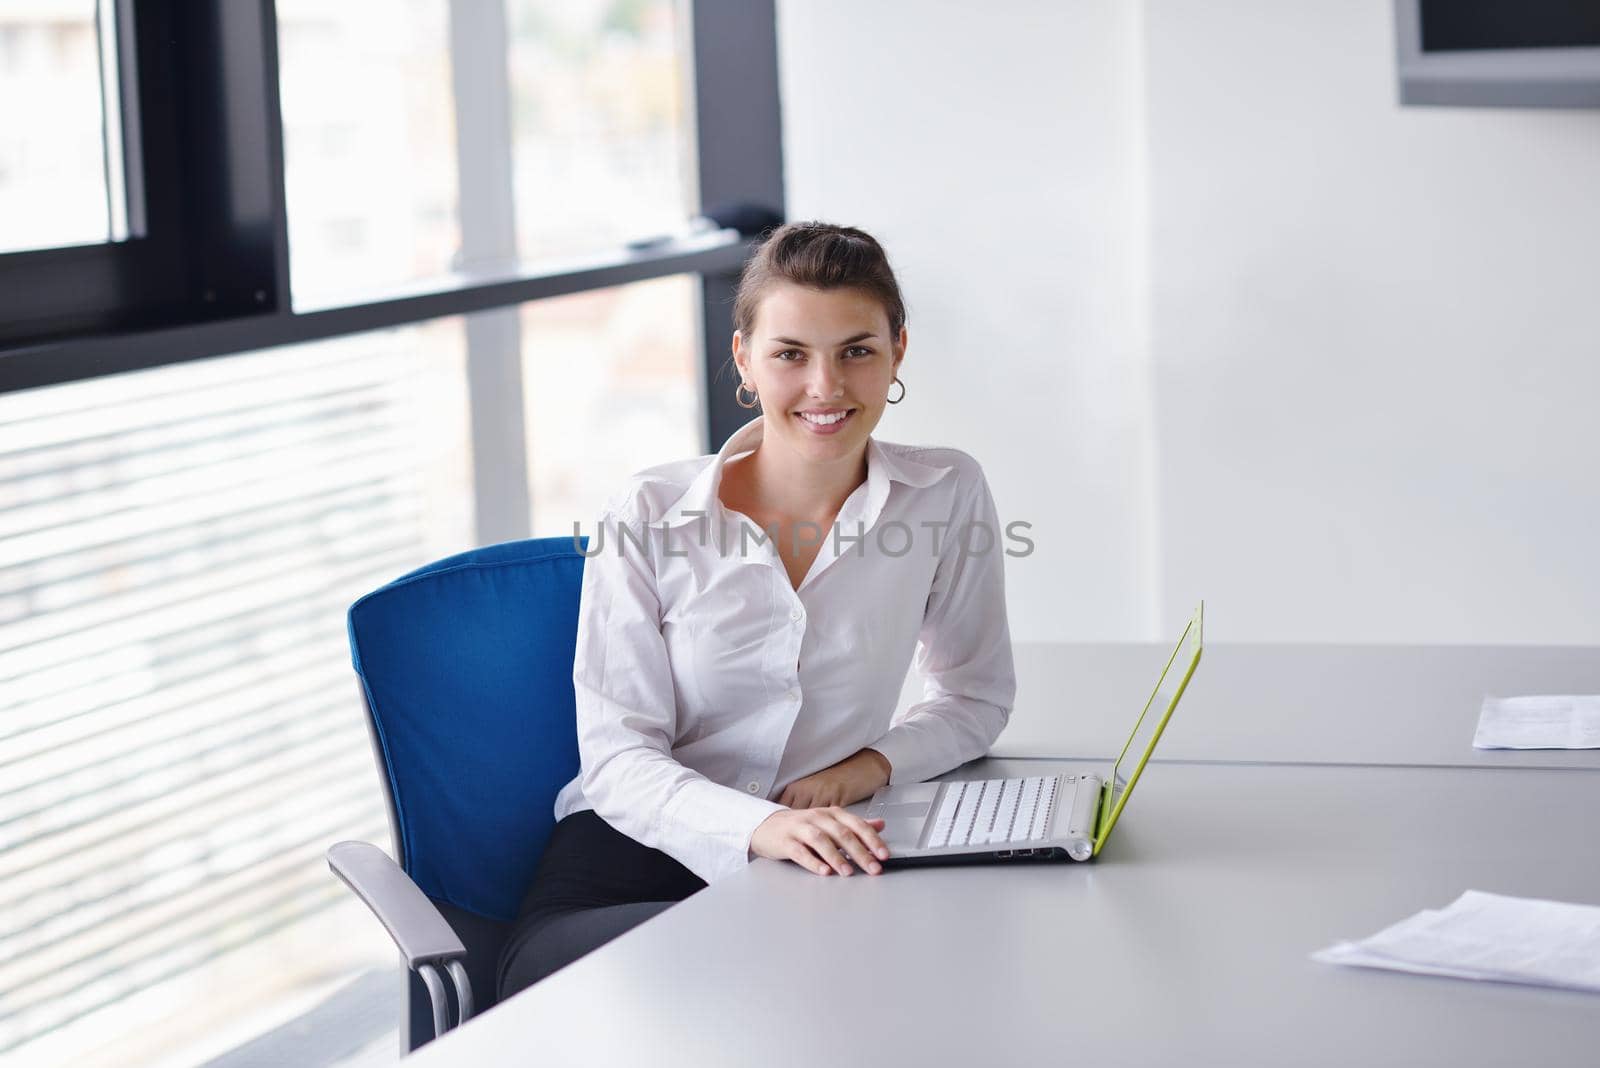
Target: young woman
746, 620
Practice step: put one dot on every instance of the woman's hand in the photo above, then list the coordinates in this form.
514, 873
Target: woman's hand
821, 840
853, 779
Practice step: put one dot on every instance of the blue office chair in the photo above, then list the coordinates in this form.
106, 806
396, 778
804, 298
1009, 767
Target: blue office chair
465, 667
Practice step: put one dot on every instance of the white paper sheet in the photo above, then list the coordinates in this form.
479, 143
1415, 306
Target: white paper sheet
1547, 722
1488, 936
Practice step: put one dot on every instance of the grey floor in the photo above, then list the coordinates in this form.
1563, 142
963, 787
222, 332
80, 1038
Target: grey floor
354, 1027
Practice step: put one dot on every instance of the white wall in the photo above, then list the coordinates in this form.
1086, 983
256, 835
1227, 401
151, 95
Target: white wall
1376, 334
1372, 333
995, 158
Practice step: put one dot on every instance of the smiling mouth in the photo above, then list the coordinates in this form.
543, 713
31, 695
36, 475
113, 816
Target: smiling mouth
831, 422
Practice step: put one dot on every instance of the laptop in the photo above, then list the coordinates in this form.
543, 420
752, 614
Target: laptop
1045, 817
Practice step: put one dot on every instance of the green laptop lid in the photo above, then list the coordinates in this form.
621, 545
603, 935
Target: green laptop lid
1147, 729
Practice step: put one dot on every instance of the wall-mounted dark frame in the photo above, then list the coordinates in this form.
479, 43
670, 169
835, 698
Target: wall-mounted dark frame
210, 276
1497, 77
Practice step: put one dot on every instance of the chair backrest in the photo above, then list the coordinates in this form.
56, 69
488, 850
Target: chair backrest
466, 668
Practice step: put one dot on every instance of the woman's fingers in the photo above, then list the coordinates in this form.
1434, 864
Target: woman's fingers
807, 859
874, 840
828, 840
868, 833
854, 838
821, 841
808, 856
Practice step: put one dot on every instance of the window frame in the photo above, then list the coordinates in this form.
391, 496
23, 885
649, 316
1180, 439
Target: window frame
210, 277
107, 286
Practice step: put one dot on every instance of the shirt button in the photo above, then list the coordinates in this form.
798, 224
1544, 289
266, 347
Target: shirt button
753, 787
794, 695
797, 615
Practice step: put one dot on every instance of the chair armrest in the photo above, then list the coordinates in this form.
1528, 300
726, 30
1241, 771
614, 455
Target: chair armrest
415, 925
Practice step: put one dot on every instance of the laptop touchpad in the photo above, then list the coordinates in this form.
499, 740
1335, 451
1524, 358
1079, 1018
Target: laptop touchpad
910, 810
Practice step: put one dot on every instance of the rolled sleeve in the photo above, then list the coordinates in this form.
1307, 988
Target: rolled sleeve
963, 653
627, 718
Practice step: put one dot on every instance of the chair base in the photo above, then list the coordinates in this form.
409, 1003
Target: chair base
484, 939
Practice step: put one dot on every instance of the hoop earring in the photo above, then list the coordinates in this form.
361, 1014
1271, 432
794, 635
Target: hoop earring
902, 386
738, 396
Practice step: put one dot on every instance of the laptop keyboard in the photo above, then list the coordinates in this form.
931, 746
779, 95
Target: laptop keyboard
983, 811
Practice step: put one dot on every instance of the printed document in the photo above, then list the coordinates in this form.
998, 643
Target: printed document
1488, 936
1553, 722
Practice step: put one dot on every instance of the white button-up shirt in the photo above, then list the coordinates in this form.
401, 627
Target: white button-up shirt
706, 682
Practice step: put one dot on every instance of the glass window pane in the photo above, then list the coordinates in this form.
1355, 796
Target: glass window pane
369, 144
612, 386
52, 126
181, 736
600, 126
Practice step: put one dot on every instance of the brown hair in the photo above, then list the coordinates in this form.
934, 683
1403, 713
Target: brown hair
822, 256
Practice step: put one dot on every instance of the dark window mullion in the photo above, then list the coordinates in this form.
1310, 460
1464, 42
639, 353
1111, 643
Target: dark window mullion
740, 151
48, 363
233, 208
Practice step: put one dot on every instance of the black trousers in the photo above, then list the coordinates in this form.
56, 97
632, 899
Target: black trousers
593, 883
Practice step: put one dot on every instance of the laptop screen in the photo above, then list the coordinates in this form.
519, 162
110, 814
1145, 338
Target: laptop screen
1152, 721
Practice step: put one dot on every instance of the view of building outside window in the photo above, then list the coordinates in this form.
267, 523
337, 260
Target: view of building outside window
612, 386
369, 145
52, 127
601, 135
601, 142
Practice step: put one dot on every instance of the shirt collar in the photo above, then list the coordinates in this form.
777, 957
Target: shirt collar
883, 466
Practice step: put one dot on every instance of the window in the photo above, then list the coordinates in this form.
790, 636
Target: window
60, 164
355, 293
612, 386
181, 739
599, 117
369, 144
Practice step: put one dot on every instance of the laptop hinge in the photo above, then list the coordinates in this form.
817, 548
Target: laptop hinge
1081, 819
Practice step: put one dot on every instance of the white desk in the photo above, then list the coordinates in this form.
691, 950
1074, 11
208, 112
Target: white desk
1333, 704
1187, 942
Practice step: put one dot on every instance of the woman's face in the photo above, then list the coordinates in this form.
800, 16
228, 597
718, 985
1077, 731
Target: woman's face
819, 353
